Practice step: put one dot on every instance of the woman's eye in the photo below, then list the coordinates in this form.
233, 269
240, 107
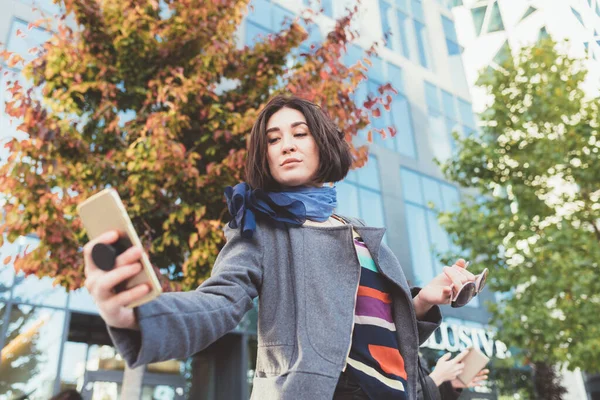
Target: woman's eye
300, 134
272, 140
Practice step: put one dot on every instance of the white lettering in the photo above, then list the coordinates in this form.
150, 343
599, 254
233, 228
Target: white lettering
454, 338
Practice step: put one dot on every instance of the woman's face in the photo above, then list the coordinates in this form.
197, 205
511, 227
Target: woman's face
292, 152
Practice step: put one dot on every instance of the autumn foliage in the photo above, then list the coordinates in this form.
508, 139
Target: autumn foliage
156, 100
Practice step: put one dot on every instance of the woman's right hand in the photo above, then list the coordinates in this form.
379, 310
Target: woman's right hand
446, 369
100, 284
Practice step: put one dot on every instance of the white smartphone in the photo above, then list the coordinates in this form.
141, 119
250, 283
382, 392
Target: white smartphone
104, 211
474, 362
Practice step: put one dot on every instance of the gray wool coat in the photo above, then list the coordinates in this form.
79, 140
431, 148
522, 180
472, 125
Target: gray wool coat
306, 280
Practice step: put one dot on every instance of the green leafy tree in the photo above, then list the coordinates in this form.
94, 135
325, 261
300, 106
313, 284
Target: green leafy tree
157, 100
536, 221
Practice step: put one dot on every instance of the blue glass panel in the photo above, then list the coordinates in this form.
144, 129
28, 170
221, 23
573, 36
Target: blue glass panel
347, 196
368, 175
431, 97
384, 9
353, 55
450, 196
327, 7
402, 5
375, 72
25, 40
449, 29
420, 34
417, 10
360, 94
439, 136
453, 48
440, 242
419, 245
411, 186
351, 177
448, 102
403, 31
371, 208
402, 120
81, 300
34, 290
32, 365
254, 34
280, 15
468, 131
395, 77
451, 127
577, 15
431, 191
466, 113
260, 12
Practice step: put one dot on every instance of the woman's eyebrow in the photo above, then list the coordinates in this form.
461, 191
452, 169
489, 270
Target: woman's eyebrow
294, 124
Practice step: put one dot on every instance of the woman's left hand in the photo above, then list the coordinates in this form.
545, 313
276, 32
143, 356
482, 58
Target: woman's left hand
442, 288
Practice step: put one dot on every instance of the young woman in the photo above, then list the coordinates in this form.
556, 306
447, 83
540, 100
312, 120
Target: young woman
337, 318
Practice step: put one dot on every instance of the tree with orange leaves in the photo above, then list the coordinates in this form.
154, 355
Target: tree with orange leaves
156, 100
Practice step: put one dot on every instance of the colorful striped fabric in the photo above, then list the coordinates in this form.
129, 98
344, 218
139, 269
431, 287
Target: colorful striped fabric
374, 358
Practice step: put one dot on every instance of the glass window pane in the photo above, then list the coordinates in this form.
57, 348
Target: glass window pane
375, 72
403, 122
347, 196
411, 186
453, 48
450, 196
31, 352
495, 23
438, 137
327, 7
385, 10
254, 34
431, 191
371, 208
419, 245
440, 243
351, 177
395, 77
402, 19
353, 55
529, 11
73, 365
21, 39
449, 29
417, 10
466, 113
6, 280
280, 15
259, 12
402, 5
431, 96
34, 290
478, 17
448, 102
421, 36
81, 300
314, 36
368, 175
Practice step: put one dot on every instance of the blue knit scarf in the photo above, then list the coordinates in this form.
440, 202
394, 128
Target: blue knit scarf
293, 206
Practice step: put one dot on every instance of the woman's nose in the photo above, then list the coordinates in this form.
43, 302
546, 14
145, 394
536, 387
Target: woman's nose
288, 145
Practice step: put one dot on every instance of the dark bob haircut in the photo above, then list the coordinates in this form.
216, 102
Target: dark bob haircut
335, 158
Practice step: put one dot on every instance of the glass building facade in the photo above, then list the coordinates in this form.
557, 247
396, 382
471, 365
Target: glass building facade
53, 340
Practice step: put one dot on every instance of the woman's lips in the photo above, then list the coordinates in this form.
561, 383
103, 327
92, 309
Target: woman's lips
290, 161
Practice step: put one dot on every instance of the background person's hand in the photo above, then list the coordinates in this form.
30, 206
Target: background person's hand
100, 284
442, 288
476, 381
448, 369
